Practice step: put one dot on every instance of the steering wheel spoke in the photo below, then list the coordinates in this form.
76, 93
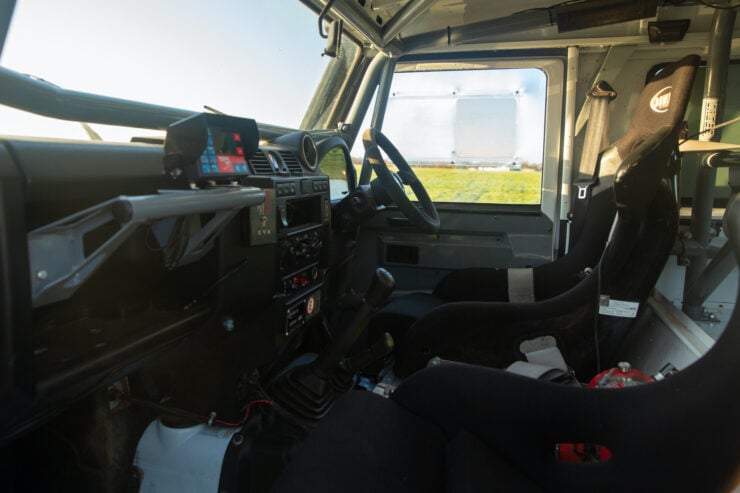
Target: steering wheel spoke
408, 178
424, 217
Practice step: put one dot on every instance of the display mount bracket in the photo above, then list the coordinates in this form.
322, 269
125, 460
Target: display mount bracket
58, 261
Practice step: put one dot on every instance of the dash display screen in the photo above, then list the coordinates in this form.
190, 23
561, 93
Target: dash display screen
224, 153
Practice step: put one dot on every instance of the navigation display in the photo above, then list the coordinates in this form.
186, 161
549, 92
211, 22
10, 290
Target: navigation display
224, 153
209, 148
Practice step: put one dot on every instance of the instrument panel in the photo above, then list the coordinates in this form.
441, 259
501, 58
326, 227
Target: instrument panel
212, 149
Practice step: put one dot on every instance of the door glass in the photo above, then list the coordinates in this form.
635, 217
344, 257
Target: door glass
471, 136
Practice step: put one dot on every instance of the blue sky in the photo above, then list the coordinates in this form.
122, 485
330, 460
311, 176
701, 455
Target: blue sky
252, 58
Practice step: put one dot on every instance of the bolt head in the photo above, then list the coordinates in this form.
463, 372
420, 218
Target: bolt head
42, 274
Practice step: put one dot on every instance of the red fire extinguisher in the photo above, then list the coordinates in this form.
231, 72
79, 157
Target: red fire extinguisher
621, 376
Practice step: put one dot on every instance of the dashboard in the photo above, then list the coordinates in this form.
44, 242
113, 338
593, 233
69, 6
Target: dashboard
115, 252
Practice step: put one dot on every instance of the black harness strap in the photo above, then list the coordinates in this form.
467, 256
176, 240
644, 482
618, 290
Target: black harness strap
588, 167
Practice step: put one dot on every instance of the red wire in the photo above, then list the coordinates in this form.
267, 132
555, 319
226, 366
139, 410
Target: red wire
201, 417
249, 408
230, 424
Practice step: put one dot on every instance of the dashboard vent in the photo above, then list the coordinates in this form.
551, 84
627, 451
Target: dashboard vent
260, 164
291, 161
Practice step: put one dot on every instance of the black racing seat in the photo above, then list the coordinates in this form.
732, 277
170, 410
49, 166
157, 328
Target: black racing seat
463, 428
588, 237
491, 333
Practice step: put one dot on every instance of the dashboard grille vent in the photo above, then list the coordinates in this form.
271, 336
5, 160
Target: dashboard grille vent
260, 164
291, 161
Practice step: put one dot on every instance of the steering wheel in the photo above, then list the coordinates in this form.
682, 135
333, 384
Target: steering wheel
424, 218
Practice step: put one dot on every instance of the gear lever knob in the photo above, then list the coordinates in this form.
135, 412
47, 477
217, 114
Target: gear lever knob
381, 287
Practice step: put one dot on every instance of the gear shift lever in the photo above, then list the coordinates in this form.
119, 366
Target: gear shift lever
305, 391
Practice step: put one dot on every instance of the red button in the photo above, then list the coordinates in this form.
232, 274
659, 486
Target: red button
310, 305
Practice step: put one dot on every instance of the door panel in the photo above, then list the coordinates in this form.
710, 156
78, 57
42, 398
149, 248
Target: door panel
482, 239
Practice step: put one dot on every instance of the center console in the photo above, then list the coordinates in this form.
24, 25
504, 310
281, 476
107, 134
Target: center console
220, 151
296, 217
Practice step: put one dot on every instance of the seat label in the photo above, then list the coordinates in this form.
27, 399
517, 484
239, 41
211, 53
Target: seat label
617, 308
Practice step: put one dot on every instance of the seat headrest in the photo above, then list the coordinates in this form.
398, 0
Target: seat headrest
662, 102
647, 147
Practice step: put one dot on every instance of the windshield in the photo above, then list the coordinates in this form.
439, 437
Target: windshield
251, 58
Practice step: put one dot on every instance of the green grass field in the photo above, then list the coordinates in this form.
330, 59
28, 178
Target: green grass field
476, 186
462, 184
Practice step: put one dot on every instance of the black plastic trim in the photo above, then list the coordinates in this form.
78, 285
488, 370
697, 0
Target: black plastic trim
485, 55
325, 145
16, 345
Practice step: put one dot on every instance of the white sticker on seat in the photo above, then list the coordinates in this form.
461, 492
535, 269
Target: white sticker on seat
617, 308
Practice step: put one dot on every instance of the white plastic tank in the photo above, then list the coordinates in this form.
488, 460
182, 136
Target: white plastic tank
181, 459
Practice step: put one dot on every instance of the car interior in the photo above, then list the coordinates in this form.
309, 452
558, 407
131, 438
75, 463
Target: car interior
494, 246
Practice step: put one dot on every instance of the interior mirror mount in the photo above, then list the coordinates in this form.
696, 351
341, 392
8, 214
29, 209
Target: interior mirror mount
333, 38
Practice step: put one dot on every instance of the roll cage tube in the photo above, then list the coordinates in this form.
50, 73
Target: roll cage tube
381, 102
44, 98
6, 14
362, 99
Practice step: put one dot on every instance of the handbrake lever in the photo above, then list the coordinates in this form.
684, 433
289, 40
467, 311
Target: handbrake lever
381, 287
380, 349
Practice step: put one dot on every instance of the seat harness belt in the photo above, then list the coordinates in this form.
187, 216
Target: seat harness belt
595, 140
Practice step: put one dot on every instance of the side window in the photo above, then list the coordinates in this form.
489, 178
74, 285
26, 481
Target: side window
471, 135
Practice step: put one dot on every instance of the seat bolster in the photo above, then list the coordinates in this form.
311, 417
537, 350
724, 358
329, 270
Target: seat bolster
401, 313
474, 284
368, 443
474, 467
497, 329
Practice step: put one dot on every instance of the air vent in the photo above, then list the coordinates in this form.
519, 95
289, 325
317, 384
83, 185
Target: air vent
309, 155
291, 161
260, 164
